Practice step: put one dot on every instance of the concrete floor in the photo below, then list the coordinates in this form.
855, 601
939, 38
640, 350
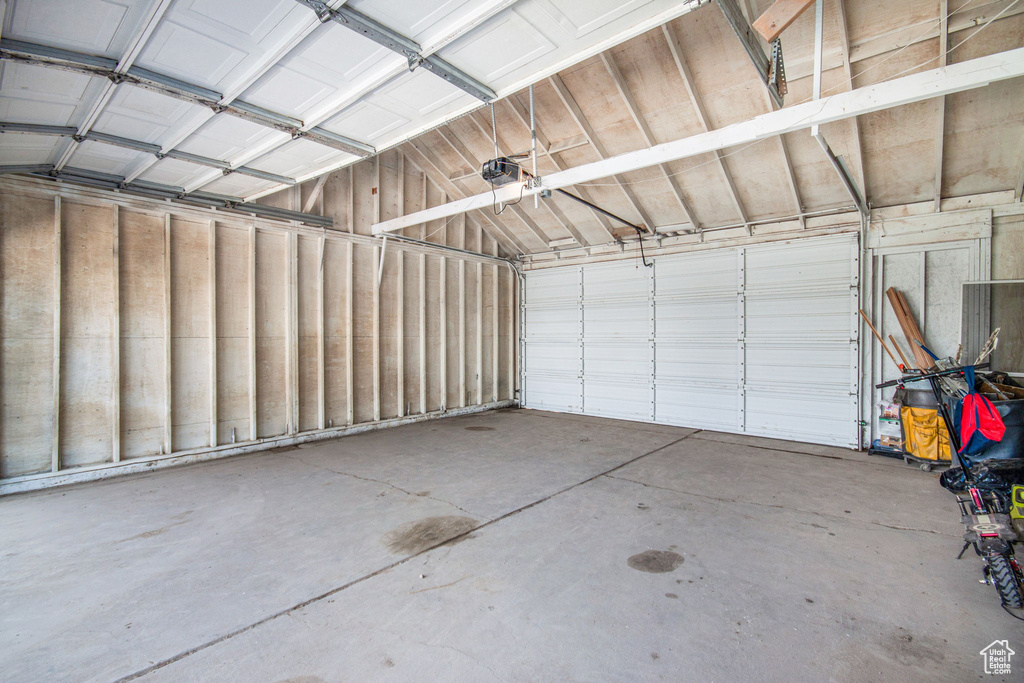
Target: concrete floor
316, 563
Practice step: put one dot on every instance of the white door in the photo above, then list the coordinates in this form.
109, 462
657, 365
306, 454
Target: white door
753, 340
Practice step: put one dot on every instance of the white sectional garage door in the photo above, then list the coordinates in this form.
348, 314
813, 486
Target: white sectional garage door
755, 340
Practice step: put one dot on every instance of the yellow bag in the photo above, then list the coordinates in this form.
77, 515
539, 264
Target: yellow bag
924, 434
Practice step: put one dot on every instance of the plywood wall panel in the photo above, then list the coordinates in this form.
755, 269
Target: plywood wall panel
141, 289
364, 272
271, 291
336, 330
232, 334
190, 342
87, 307
308, 350
26, 383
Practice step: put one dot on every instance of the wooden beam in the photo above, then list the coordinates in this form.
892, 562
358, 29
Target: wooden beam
702, 115
115, 340
321, 342
646, 133
376, 338
291, 343
495, 340
311, 200
423, 334
479, 333
443, 315
777, 18
584, 125
253, 417
550, 205
168, 376
522, 114
400, 323
429, 166
916, 87
350, 393
58, 249
211, 274
462, 333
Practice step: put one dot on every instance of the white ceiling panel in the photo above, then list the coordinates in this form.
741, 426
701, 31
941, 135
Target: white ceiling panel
298, 156
238, 185
96, 27
422, 22
366, 121
95, 156
228, 138
147, 116
16, 150
558, 33
173, 172
331, 61
218, 44
34, 94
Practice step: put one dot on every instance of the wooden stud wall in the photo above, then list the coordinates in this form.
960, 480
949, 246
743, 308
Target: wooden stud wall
134, 329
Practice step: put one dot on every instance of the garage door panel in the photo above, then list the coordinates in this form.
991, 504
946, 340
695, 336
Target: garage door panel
692, 405
783, 412
758, 340
622, 398
822, 315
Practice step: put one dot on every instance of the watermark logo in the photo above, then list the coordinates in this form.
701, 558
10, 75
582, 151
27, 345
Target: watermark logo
997, 657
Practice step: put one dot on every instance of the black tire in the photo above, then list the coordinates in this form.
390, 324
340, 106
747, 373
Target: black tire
1005, 580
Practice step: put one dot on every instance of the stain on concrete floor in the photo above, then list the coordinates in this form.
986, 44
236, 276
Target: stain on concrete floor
655, 561
479, 429
415, 537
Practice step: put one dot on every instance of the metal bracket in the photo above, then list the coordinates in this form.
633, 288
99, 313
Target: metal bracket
396, 42
751, 43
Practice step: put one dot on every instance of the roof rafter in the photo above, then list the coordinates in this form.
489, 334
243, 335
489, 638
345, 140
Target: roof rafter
646, 133
548, 204
584, 125
918, 87
702, 115
422, 159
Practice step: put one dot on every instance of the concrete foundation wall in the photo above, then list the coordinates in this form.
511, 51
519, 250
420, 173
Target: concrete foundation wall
136, 329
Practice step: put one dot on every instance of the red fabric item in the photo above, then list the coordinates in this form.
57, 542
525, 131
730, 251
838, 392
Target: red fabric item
980, 424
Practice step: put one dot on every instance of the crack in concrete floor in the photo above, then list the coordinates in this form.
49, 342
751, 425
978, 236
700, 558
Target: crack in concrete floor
816, 513
385, 483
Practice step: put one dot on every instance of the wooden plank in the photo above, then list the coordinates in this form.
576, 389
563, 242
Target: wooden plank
495, 340
462, 334
292, 334
479, 332
400, 324
168, 377
443, 315
350, 392
213, 333
423, 333
909, 326
376, 337
115, 345
513, 333
777, 18
253, 426
321, 354
57, 269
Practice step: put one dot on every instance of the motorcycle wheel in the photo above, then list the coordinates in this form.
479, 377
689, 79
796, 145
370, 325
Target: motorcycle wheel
1005, 581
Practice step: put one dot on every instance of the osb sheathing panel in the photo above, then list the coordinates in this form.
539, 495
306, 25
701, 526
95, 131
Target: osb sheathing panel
26, 383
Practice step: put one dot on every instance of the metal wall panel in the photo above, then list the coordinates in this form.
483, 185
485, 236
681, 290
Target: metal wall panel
756, 340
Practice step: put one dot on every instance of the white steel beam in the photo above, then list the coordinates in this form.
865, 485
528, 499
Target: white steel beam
917, 87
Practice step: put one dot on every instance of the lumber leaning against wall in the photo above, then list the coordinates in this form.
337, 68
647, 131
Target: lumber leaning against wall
181, 330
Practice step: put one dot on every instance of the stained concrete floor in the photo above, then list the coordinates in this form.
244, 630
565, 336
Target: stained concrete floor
786, 562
